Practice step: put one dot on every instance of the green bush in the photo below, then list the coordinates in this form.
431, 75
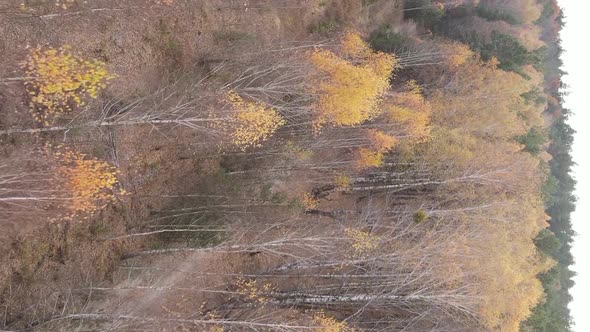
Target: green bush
420, 216
324, 27
386, 40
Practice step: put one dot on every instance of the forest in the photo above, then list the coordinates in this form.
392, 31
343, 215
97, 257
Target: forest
284, 165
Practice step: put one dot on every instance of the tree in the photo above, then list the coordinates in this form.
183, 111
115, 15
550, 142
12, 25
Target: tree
533, 140
410, 109
59, 178
379, 144
548, 243
254, 122
58, 81
350, 85
90, 181
466, 95
523, 11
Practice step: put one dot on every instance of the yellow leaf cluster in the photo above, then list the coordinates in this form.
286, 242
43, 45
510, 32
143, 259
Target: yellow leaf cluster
58, 80
456, 54
349, 86
380, 143
342, 182
329, 324
90, 181
511, 286
251, 290
367, 158
353, 46
64, 4
310, 202
468, 96
254, 122
412, 110
363, 242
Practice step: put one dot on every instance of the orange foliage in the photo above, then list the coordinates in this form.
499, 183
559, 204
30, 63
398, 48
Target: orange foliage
342, 182
363, 242
510, 282
310, 202
90, 182
252, 290
381, 141
482, 99
354, 47
456, 54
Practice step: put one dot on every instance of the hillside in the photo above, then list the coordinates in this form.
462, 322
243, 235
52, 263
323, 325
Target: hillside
284, 165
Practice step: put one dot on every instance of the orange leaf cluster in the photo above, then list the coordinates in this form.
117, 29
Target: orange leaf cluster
90, 181
310, 202
456, 54
380, 143
254, 291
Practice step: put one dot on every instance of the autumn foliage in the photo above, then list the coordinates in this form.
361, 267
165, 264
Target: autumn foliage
329, 324
362, 242
379, 144
252, 122
90, 182
410, 109
328, 188
349, 83
58, 81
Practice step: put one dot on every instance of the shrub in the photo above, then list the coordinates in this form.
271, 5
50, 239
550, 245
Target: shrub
324, 27
386, 40
420, 216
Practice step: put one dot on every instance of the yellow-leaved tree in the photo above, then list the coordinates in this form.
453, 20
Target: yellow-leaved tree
348, 84
252, 122
362, 242
410, 109
57, 81
379, 144
89, 181
465, 99
455, 54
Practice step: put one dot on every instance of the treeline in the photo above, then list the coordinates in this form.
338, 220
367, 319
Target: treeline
554, 314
